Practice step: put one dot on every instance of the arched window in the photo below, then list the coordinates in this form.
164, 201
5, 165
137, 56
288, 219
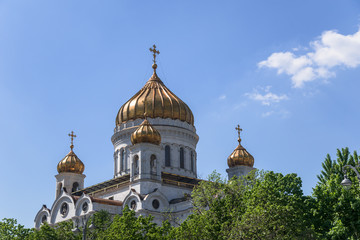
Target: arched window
122, 160
192, 161
182, 161
167, 156
153, 164
75, 187
136, 165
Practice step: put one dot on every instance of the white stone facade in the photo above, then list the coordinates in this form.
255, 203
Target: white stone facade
70, 181
174, 133
239, 171
151, 179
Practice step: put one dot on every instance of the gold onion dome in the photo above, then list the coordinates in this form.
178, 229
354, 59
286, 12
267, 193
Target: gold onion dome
240, 157
156, 100
146, 133
71, 162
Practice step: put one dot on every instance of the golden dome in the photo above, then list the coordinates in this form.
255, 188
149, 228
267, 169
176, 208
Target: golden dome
157, 101
240, 157
146, 133
71, 163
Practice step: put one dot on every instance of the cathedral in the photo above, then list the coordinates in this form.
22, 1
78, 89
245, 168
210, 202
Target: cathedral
155, 163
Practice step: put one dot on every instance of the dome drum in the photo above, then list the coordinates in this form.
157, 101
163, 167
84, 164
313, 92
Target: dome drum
169, 130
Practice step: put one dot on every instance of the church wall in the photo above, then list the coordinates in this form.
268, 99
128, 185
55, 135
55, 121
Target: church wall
66, 180
118, 194
109, 208
173, 192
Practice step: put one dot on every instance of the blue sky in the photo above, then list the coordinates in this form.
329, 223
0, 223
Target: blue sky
286, 71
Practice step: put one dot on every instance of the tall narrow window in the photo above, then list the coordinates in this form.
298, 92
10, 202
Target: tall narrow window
167, 156
75, 187
192, 161
182, 158
122, 160
153, 164
116, 162
136, 165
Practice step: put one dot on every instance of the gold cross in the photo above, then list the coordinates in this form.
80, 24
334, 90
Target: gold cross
238, 130
154, 53
72, 135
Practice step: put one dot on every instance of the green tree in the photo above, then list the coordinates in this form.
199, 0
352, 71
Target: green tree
10, 229
275, 209
331, 167
336, 211
102, 220
45, 232
259, 206
130, 227
60, 232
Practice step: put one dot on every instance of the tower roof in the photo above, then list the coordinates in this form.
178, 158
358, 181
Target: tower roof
71, 162
240, 156
156, 100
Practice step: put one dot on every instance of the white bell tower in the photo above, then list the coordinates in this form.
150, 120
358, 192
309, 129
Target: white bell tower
70, 170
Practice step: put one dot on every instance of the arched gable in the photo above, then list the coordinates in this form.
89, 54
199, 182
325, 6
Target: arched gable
59, 212
131, 198
151, 204
84, 205
43, 213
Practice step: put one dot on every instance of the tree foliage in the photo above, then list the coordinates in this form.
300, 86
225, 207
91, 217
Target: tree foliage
335, 167
336, 211
10, 229
265, 206
59, 232
130, 227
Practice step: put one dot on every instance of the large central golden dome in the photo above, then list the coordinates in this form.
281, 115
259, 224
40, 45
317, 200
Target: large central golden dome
156, 100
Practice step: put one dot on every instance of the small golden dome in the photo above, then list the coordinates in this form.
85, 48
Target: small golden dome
145, 133
240, 157
71, 162
157, 101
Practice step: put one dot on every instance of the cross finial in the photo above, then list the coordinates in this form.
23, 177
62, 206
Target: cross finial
154, 53
238, 130
72, 135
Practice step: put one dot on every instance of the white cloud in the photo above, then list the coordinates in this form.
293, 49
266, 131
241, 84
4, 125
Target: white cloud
329, 51
240, 105
267, 114
281, 113
222, 97
267, 98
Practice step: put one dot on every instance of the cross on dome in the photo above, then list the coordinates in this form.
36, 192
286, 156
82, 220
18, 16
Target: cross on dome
238, 130
154, 53
72, 135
